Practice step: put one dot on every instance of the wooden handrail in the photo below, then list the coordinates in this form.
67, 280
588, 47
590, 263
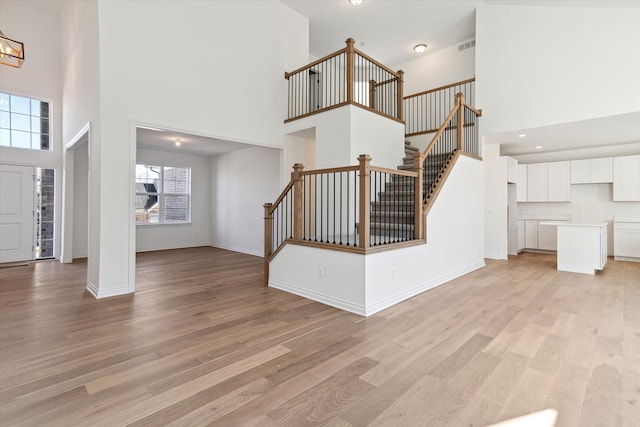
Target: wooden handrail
478, 112
330, 170
440, 88
393, 171
440, 130
370, 59
282, 196
314, 63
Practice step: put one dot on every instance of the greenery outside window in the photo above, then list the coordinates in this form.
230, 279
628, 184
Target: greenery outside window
163, 194
24, 122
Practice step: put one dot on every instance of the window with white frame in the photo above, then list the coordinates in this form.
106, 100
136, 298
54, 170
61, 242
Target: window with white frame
163, 194
24, 122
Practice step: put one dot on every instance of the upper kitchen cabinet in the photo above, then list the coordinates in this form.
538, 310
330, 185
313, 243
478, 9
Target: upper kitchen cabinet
549, 182
626, 179
522, 184
592, 171
512, 170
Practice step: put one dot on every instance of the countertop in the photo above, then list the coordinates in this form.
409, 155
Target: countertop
578, 224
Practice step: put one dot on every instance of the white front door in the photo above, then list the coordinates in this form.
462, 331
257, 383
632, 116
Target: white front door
16, 213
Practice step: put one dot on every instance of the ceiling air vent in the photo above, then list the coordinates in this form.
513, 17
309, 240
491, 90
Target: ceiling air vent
467, 45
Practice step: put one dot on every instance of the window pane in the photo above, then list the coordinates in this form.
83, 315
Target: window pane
20, 122
35, 108
4, 102
177, 180
149, 177
176, 208
5, 121
35, 125
20, 105
20, 139
5, 137
149, 216
35, 139
44, 142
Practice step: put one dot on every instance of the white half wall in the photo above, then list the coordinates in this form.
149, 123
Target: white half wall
342, 134
152, 237
366, 284
539, 66
241, 183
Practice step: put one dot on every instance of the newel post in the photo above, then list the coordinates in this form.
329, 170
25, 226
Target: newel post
268, 242
460, 125
418, 201
298, 187
372, 94
350, 68
400, 95
364, 228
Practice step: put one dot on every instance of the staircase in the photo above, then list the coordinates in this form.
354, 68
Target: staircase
392, 213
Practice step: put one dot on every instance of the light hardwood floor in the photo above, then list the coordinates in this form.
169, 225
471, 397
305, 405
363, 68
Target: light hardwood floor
203, 342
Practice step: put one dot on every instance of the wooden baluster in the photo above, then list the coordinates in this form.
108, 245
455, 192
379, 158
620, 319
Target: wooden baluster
268, 239
372, 94
460, 106
298, 188
418, 221
400, 113
350, 68
365, 200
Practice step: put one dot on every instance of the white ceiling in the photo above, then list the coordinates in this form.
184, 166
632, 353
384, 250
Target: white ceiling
389, 29
612, 130
164, 140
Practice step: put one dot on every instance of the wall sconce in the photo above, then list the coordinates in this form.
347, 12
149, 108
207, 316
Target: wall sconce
11, 51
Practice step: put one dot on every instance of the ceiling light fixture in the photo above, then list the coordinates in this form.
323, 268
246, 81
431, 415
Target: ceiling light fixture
178, 143
355, 2
11, 52
522, 135
419, 48
538, 147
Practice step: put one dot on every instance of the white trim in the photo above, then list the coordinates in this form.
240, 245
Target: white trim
325, 299
233, 248
388, 302
93, 289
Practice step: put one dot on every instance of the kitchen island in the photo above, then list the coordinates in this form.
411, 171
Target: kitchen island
582, 248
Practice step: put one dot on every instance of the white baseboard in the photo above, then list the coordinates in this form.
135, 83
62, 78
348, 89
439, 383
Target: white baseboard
237, 249
394, 299
95, 291
315, 296
626, 258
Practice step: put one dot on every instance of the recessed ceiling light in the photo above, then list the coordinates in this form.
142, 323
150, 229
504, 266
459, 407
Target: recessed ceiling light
178, 143
522, 135
538, 147
355, 2
419, 48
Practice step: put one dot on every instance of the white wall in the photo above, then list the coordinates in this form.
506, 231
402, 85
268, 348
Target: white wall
590, 203
79, 46
40, 78
365, 284
342, 134
539, 66
81, 201
169, 236
241, 183
495, 203
183, 65
439, 68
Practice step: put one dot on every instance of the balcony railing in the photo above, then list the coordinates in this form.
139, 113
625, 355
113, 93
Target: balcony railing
426, 111
345, 77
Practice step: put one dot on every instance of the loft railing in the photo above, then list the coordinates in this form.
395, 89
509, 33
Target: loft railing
426, 111
458, 134
360, 208
347, 76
